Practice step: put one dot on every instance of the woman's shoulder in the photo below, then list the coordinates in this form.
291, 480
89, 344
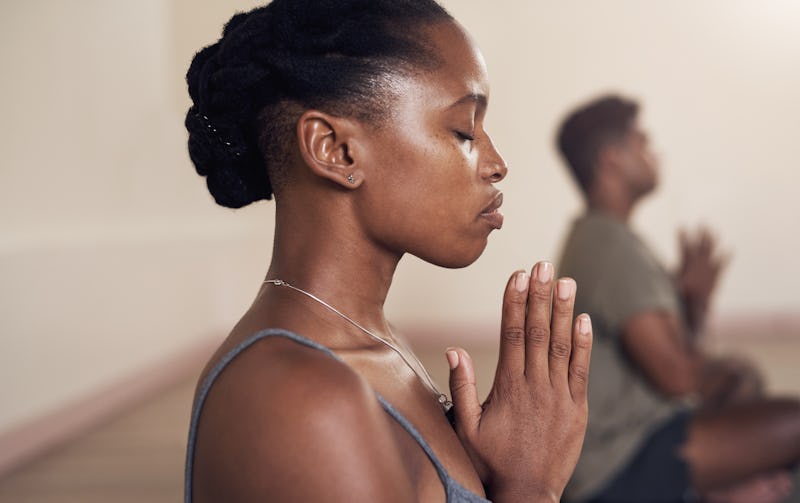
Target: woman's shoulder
280, 414
278, 370
282, 367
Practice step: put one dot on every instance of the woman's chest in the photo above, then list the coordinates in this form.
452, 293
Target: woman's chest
408, 399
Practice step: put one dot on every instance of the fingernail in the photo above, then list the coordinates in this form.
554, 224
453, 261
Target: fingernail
565, 288
521, 281
452, 358
585, 324
544, 272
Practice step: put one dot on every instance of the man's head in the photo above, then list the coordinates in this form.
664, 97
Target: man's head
601, 142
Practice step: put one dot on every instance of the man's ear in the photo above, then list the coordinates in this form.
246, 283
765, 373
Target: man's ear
610, 157
328, 146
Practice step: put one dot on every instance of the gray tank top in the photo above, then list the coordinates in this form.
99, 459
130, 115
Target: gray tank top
455, 492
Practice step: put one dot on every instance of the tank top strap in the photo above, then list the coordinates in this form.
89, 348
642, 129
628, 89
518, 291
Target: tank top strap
417, 436
455, 492
212, 376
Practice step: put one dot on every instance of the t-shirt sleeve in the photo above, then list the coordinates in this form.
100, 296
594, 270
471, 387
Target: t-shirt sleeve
634, 282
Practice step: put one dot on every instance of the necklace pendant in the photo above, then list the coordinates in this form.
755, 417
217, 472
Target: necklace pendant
427, 381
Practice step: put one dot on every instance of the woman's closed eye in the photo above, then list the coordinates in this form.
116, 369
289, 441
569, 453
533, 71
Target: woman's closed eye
464, 136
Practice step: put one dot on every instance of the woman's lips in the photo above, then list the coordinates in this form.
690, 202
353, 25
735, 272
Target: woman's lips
492, 212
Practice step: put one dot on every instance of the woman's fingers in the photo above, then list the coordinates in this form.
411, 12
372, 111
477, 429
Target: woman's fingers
561, 330
581, 356
538, 336
535, 415
512, 326
464, 392
537, 323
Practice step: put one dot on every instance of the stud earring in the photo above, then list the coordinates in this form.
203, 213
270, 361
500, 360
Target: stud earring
351, 178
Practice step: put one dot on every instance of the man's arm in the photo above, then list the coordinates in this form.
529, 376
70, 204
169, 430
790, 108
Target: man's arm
659, 345
656, 343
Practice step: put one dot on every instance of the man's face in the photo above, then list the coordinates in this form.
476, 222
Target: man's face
637, 163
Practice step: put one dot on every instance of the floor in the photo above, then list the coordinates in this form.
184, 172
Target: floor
139, 456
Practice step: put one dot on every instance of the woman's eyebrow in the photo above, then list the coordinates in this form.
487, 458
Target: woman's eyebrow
479, 99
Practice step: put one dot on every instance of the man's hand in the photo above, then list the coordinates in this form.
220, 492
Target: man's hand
728, 380
701, 265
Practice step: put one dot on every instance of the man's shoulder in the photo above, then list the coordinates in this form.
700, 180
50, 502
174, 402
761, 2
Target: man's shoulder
598, 241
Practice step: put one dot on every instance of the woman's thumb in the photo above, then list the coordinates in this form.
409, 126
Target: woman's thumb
465, 394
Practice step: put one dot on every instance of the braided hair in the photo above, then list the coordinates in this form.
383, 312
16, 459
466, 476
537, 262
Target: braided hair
249, 88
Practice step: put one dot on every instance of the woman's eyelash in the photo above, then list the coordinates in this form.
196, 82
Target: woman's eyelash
464, 136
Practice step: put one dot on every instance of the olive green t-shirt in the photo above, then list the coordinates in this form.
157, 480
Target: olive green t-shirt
618, 277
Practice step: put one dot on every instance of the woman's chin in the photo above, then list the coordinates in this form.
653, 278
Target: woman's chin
455, 258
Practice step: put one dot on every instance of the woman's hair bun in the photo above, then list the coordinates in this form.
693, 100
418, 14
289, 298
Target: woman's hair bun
219, 144
231, 170
323, 53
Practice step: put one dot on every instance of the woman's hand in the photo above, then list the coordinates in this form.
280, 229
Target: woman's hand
526, 437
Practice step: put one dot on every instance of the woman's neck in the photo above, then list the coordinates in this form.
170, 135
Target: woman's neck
324, 255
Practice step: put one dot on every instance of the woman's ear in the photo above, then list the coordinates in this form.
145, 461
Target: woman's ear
327, 146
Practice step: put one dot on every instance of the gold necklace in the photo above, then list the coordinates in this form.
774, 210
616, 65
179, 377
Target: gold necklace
427, 381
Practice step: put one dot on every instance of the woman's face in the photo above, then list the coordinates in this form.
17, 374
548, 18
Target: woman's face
429, 186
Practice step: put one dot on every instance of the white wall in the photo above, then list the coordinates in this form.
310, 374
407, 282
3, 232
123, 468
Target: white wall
112, 255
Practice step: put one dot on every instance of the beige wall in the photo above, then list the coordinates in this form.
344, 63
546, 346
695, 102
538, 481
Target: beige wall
719, 83
112, 256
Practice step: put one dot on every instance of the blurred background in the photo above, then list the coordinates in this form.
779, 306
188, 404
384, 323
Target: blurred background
118, 274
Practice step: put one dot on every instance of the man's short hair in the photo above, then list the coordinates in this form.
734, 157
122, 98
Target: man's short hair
589, 128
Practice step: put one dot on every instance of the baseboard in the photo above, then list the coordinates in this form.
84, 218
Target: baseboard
762, 325
25, 442
721, 326
22, 444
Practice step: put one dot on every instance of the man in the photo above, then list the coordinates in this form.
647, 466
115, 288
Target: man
666, 421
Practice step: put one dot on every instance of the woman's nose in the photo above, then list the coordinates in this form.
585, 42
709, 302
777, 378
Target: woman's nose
493, 167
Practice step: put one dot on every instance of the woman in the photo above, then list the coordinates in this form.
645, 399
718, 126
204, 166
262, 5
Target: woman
364, 119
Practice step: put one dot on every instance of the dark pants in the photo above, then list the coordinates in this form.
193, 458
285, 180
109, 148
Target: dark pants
657, 473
